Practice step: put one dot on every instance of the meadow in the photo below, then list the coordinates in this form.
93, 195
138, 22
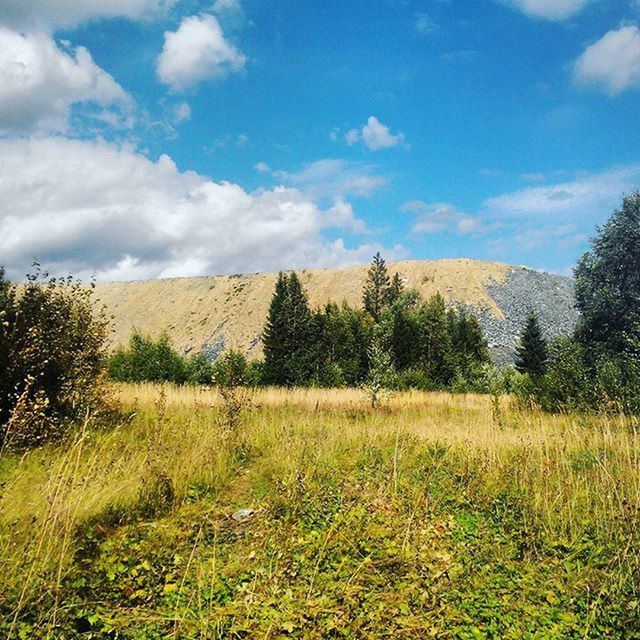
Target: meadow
434, 515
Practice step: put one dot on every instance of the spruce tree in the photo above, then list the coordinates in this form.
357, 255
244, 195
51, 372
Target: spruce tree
274, 336
287, 337
395, 289
532, 353
376, 289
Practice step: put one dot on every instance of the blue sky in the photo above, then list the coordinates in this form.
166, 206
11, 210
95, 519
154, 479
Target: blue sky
155, 138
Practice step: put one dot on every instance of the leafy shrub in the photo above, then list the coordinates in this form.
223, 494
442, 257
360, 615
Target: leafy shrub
52, 343
146, 360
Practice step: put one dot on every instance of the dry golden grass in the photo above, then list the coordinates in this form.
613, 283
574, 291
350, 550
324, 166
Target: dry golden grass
199, 311
572, 473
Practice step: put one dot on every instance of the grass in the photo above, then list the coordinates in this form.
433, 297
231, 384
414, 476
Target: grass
434, 516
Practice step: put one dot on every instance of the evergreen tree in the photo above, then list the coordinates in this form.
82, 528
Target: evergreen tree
376, 289
288, 335
608, 285
532, 353
395, 289
468, 341
436, 349
275, 332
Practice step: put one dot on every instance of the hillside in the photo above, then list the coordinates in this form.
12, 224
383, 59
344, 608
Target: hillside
211, 313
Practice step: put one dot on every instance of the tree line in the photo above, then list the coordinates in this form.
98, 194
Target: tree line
428, 346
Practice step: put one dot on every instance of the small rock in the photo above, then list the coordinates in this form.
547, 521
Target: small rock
242, 515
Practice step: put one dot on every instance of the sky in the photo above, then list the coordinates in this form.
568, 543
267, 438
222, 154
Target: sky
160, 138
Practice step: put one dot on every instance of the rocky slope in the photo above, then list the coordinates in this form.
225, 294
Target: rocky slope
210, 313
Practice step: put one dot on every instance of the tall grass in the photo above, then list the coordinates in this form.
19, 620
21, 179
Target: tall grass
570, 479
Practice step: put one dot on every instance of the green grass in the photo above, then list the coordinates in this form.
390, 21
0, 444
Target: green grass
422, 519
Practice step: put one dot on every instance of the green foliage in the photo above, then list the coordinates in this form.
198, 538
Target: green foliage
532, 353
287, 338
51, 355
608, 286
148, 360
380, 377
379, 290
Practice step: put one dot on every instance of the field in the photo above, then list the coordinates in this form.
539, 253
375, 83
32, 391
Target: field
433, 515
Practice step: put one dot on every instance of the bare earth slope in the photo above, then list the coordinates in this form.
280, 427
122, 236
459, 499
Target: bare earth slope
213, 312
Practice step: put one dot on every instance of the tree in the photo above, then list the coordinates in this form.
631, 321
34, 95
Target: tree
288, 335
146, 360
532, 352
376, 289
395, 290
608, 285
468, 341
52, 341
435, 345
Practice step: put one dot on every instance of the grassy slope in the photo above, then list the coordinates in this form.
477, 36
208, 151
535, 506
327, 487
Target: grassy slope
434, 516
199, 311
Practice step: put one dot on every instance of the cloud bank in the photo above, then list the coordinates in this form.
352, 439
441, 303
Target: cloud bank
90, 206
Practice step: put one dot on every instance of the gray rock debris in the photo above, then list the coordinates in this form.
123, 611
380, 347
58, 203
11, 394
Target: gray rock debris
550, 296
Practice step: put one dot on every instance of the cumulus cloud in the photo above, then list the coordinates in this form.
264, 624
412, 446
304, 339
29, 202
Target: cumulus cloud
556, 10
52, 14
438, 217
612, 63
375, 135
39, 83
90, 206
197, 51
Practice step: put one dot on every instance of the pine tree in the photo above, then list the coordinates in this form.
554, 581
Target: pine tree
532, 353
376, 289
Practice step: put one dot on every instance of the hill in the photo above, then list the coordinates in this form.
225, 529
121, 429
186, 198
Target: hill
213, 312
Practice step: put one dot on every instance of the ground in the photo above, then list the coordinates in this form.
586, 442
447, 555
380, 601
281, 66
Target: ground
435, 515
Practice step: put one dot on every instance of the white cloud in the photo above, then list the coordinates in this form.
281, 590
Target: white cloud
375, 135
39, 82
197, 51
439, 217
263, 167
590, 197
533, 177
332, 179
424, 24
220, 6
556, 10
352, 136
181, 113
378, 136
83, 206
51, 14
612, 63
342, 216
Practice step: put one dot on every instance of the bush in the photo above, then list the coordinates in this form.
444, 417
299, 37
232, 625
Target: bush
147, 361
52, 343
